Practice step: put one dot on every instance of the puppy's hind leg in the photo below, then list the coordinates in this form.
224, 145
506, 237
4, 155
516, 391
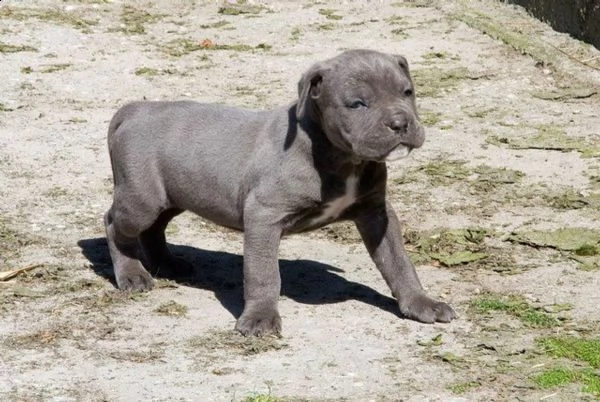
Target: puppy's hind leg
122, 238
154, 246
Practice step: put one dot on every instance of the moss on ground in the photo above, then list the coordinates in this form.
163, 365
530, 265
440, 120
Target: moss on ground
517, 307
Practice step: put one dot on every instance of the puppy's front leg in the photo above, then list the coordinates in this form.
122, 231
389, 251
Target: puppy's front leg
262, 282
380, 231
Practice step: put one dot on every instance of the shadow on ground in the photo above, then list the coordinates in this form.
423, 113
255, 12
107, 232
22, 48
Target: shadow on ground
304, 281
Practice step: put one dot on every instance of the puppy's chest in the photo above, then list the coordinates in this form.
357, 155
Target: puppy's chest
342, 196
334, 208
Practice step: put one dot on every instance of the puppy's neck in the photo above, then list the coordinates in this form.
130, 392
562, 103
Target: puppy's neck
327, 158
333, 161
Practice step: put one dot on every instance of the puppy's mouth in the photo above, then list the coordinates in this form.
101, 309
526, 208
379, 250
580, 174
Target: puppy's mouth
401, 151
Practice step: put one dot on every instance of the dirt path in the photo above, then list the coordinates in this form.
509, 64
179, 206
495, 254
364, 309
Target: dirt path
501, 209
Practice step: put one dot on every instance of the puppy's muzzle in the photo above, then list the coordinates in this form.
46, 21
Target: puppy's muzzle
398, 124
401, 151
410, 135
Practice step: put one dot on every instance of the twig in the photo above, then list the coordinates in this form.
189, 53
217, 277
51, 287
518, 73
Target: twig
538, 365
4, 276
590, 59
570, 56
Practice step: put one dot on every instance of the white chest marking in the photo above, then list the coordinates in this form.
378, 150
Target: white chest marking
335, 208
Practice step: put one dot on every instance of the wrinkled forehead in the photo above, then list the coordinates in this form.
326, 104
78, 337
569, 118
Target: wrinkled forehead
377, 73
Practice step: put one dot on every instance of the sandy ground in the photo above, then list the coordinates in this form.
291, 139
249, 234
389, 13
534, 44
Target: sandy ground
512, 156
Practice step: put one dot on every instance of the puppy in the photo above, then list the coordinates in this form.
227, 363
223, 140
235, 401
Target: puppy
292, 169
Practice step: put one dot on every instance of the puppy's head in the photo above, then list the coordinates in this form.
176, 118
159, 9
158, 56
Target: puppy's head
364, 102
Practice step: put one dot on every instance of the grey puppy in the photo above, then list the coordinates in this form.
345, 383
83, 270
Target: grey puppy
296, 168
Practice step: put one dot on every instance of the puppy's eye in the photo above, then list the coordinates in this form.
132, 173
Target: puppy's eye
408, 92
358, 104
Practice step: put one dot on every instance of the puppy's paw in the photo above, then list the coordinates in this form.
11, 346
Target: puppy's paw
259, 323
134, 280
425, 309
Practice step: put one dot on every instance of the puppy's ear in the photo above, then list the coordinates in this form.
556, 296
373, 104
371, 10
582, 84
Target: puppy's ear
309, 86
401, 60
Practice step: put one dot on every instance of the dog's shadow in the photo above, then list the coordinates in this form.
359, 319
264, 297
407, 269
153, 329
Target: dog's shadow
220, 272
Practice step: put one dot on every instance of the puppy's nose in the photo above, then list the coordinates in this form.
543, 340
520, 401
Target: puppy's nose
399, 124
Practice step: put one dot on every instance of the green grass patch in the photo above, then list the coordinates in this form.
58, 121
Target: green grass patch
434, 81
571, 199
106, 299
328, 26
452, 359
479, 113
566, 239
445, 172
330, 14
436, 55
152, 72
341, 232
555, 377
548, 137
246, 90
584, 351
573, 348
458, 258
46, 69
26, 86
55, 192
147, 71
183, 46
295, 33
579, 244
435, 341
395, 20
93, 327
172, 308
429, 118
400, 33
447, 247
517, 33
560, 376
594, 181
77, 120
261, 398
463, 387
517, 307
487, 177
563, 94
507, 34
413, 3
241, 7
218, 24
65, 284
8, 48
134, 20
152, 355
482, 177
52, 68
587, 250
57, 16
217, 340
